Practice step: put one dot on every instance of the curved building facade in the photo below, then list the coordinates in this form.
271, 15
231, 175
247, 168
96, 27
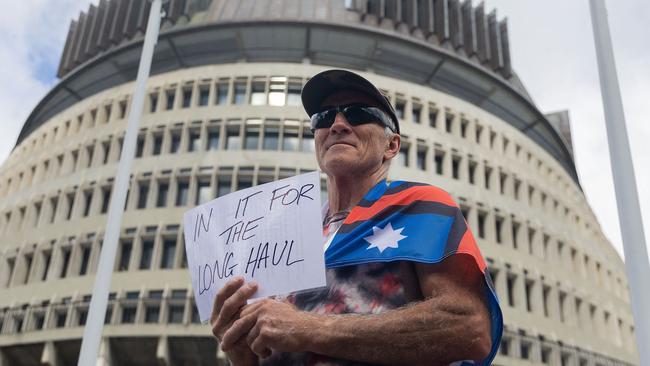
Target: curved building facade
223, 113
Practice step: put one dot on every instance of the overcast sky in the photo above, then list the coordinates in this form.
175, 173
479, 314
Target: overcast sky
552, 51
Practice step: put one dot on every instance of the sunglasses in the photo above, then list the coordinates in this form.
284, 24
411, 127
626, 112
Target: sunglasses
354, 113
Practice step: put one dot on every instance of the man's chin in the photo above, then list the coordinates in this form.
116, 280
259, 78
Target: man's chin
341, 167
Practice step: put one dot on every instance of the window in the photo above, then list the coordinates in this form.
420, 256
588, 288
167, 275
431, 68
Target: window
433, 116
545, 293
449, 122
175, 142
277, 94
223, 185
307, 143
403, 157
400, 106
252, 134
213, 139
416, 112
169, 249
153, 102
85, 259
524, 350
546, 355
89, 154
439, 158
187, 97
163, 191
293, 93
65, 256
421, 157
204, 95
69, 200
455, 167
529, 293
222, 93
271, 136
531, 239
479, 132
143, 193
147, 252
463, 128
169, 95
182, 193
290, 136
157, 144
488, 176
203, 192
498, 227
471, 170
504, 347
28, 259
511, 280
232, 136
47, 258
481, 224
515, 234
258, 92
106, 199
125, 255
195, 140
503, 178
60, 318
152, 314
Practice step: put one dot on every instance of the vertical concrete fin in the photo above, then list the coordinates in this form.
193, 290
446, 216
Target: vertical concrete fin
49, 356
162, 352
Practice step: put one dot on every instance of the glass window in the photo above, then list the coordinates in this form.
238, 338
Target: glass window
203, 192
307, 144
152, 314
61, 316
163, 191
66, 260
400, 105
175, 142
204, 95
213, 139
232, 137
88, 199
277, 94
187, 97
290, 136
271, 137
147, 252
252, 134
143, 193
182, 193
244, 181
239, 96
85, 259
169, 251
416, 112
223, 186
157, 144
153, 102
421, 158
195, 140
449, 122
169, 95
403, 157
176, 314
293, 93
455, 167
128, 314
47, 258
125, 255
222, 93
258, 93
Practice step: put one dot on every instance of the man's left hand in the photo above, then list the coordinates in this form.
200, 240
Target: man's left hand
273, 325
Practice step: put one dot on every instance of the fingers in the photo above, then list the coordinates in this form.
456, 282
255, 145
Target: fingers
252, 308
225, 292
236, 331
231, 306
257, 343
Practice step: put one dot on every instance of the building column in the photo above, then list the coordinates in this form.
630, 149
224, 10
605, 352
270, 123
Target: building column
50, 356
105, 356
162, 352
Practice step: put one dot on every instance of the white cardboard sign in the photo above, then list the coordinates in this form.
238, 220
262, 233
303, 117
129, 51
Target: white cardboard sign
271, 233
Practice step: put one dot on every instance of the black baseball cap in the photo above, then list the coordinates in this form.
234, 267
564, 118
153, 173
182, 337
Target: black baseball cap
326, 83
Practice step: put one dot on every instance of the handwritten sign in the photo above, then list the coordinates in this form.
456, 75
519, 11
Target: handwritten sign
269, 233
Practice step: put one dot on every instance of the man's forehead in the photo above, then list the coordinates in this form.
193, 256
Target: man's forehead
343, 97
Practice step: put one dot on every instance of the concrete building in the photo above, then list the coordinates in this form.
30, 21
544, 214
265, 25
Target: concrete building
223, 113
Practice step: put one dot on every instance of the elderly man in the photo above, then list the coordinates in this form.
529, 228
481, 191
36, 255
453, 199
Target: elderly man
406, 283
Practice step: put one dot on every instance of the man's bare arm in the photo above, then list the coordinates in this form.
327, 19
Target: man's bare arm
452, 324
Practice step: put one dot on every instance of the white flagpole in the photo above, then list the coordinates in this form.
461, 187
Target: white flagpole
629, 212
97, 312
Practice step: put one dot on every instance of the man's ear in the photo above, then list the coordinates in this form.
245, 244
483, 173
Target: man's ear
392, 147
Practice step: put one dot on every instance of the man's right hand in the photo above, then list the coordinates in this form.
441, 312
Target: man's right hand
227, 305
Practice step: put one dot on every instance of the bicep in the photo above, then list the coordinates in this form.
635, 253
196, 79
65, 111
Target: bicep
457, 281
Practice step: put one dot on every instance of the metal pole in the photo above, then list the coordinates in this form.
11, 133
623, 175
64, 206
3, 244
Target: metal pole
629, 212
97, 312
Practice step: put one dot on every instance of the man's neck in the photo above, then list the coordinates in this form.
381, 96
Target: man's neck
344, 192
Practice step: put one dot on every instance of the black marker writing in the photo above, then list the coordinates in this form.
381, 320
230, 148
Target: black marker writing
260, 258
207, 272
291, 195
241, 230
200, 223
245, 200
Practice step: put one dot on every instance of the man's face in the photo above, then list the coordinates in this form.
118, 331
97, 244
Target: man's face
344, 149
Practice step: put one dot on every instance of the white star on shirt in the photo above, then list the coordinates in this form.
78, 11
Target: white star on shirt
384, 238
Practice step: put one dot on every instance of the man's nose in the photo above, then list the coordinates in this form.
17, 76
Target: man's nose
340, 124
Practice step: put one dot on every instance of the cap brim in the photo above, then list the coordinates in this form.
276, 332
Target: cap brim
328, 82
